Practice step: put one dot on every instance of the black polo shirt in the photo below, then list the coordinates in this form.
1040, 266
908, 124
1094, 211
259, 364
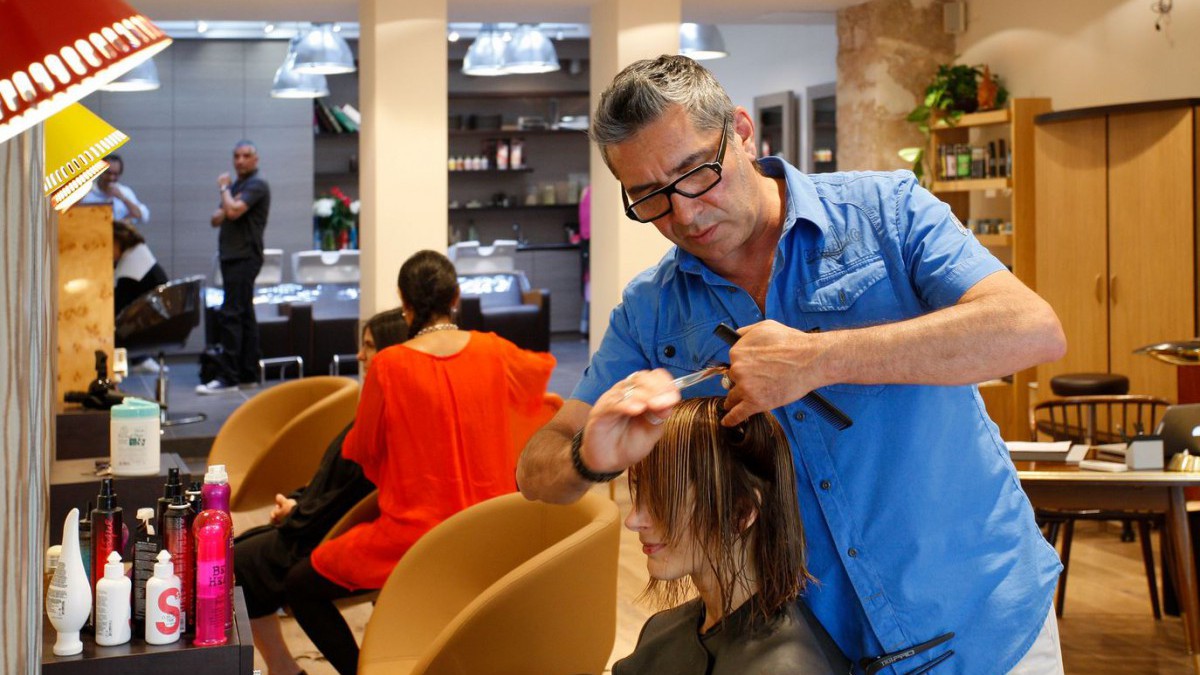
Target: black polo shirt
243, 237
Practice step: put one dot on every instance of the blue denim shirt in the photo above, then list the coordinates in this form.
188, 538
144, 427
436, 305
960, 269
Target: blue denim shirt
915, 520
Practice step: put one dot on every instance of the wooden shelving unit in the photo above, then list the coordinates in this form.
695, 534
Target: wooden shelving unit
1008, 198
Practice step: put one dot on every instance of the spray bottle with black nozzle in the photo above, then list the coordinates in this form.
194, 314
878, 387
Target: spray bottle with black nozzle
102, 393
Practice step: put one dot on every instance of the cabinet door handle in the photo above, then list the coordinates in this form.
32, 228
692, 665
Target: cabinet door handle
1112, 289
1099, 288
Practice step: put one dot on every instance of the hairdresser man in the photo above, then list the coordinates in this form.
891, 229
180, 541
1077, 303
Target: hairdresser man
862, 286
108, 189
242, 219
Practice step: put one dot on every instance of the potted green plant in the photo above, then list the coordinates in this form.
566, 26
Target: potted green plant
955, 90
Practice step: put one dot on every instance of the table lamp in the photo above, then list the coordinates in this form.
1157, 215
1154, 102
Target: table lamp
58, 51
77, 142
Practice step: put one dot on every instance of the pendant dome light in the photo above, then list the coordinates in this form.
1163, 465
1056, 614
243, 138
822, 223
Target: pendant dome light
485, 56
144, 77
529, 52
289, 83
321, 51
701, 41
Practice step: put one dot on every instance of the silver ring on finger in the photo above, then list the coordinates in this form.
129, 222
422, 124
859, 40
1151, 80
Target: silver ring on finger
628, 392
654, 419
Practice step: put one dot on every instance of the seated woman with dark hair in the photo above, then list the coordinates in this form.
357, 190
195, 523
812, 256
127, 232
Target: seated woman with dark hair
134, 267
716, 511
264, 555
433, 432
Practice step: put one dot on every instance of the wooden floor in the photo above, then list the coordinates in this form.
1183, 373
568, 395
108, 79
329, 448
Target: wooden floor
1107, 628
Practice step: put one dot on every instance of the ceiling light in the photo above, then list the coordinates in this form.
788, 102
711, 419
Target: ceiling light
453, 36
289, 83
269, 28
485, 56
701, 41
144, 77
530, 52
202, 27
322, 51
45, 64
77, 142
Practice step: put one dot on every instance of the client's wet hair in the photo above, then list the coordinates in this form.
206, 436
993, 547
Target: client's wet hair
707, 480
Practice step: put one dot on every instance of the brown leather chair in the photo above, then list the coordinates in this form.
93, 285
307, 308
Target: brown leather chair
1096, 420
274, 441
506, 586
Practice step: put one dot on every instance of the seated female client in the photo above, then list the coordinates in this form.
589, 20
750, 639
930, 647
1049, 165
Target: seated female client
135, 269
299, 521
432, 432
715, 509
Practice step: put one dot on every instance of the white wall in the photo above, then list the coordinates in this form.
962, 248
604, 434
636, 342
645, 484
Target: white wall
1084, 53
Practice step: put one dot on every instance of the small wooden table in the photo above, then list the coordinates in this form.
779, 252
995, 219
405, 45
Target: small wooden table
1065, 486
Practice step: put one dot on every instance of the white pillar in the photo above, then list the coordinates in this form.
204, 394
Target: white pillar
27, 357
622, 32
403, 141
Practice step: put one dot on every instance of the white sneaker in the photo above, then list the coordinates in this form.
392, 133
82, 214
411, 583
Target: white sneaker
145, 366
214, 387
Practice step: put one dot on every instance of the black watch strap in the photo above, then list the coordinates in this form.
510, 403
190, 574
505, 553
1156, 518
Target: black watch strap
582, 469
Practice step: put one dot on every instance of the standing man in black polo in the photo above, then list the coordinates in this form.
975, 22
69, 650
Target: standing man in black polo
242, 218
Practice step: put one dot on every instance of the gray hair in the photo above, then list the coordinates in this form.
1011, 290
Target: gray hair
645, 90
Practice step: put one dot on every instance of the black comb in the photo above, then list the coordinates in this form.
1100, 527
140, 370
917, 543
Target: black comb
825, 410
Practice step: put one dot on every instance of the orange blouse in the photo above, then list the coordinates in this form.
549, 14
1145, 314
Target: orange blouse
432, 432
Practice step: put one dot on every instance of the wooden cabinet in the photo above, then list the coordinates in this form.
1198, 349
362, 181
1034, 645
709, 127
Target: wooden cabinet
1000, 208
1116, 202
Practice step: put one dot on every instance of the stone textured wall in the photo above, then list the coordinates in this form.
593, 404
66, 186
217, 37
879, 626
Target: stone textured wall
887, 52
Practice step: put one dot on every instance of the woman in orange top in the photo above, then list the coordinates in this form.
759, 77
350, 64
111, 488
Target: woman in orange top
432, 433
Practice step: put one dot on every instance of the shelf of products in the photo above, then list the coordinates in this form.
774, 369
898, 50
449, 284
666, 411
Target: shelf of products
990, 156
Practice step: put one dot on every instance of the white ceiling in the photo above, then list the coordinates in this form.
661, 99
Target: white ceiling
567, 11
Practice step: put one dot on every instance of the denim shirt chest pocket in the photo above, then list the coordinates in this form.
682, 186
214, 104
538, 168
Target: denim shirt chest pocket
689, 349
850, 295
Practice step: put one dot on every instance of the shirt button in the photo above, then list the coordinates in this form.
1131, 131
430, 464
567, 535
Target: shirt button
824, 485
799, 416
669, 351
853, 553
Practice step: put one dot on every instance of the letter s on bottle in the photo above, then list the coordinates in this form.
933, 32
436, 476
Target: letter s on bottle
171, 610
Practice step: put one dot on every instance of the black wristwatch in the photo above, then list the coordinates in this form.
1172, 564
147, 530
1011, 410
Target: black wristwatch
582, 469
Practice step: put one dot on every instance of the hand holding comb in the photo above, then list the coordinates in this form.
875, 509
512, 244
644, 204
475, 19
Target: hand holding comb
826, 410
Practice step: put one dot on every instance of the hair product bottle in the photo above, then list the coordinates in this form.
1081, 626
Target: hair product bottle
176, 538
194, 496
85, 541
69, 601
172, 487
163, 622
216, 488
134, 438
214, 580
106, 529
112, 604
52, 555
216, 496
145, 547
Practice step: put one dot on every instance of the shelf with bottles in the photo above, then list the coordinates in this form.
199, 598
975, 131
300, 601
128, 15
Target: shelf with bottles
489, 208
971, 184
490, 171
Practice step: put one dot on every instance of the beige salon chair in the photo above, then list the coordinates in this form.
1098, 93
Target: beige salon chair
274, 441
506, 586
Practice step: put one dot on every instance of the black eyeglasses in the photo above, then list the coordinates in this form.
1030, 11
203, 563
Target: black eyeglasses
692, 184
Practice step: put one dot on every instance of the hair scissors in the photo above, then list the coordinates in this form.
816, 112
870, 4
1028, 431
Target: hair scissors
700, 376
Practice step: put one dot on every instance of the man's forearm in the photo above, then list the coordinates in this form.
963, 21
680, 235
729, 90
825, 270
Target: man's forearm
544, 471
1000, 327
